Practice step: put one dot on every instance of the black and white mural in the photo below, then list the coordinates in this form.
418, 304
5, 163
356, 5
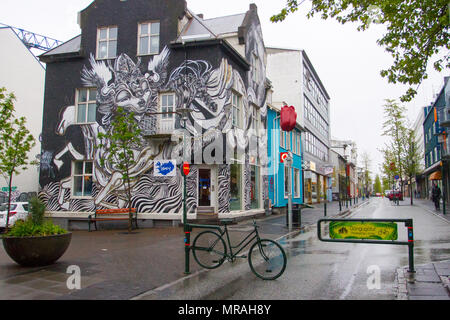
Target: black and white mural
137, 87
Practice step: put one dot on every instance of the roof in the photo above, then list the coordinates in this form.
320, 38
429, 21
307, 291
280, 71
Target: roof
212, 28
71, 46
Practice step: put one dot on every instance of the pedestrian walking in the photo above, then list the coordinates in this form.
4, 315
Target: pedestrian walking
436, 195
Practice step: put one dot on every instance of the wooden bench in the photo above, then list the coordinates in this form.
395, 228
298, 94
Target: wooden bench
112, 215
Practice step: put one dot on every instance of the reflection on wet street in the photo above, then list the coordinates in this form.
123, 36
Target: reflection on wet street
325, 270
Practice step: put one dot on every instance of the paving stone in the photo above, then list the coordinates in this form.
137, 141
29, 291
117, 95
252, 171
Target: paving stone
426, 289
429, 298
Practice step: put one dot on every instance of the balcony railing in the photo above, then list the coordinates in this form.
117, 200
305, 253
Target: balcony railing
446, 148
157, 126
444, 117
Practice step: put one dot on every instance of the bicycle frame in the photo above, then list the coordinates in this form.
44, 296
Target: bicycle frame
223, 231
242, 246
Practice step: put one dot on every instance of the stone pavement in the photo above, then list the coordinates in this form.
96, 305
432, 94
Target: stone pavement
430, 282
429, 205
116, 265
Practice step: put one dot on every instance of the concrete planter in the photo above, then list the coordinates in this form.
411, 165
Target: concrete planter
37, 251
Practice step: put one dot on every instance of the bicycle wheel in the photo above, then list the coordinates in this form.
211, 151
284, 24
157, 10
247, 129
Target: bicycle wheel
267, 259
209, 249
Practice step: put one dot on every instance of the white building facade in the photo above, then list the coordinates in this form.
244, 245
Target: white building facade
296, 83
22, 74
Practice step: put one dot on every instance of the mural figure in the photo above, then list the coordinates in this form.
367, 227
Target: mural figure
207, 92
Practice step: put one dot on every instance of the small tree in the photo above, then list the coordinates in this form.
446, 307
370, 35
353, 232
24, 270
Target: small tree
395, 128
16, 142
377, 184
122, 138
411, 158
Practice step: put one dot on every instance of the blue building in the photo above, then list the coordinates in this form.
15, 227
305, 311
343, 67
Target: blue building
280, 141
432, 146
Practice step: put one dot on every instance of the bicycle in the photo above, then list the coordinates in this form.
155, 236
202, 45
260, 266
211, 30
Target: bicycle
266, 258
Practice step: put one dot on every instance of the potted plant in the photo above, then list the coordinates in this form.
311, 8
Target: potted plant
36, 241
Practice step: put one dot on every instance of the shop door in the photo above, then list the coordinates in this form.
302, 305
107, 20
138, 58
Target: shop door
204, 187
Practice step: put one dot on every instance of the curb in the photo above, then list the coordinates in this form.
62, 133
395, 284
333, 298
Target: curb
166, 291
403, 277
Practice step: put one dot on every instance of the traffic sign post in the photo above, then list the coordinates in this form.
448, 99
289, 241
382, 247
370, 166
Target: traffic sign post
187, 228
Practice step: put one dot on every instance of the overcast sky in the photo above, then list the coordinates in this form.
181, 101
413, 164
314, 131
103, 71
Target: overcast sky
347, 61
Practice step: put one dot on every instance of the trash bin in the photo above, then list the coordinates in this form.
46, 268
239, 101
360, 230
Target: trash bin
296, 215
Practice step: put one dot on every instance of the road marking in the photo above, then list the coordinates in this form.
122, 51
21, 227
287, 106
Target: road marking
348, 288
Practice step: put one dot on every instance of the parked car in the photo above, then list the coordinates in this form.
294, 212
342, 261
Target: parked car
377, 194
17, 211
395, 194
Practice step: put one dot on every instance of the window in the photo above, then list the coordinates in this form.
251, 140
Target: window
254, 187
82, 178
236, 110
296, 183
107, 43
235, 187
255, 119
86, 105
148, 38
286, 180
167, 105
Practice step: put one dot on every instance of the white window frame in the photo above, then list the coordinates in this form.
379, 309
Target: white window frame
84, 174
148, 35
255, 117
107, 40
89, 101
236, 121
296, 183
173, 107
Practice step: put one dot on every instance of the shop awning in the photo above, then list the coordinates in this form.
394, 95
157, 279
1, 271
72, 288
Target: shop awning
437, 175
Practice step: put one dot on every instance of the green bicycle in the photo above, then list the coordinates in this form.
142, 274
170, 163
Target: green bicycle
266, 257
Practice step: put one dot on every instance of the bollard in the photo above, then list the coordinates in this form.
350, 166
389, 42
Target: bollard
325, 209
409, 225
340, 207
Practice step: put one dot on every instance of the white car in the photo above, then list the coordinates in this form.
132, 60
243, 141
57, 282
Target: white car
18, 211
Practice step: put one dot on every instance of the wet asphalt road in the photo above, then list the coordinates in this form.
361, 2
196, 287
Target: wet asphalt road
331, 271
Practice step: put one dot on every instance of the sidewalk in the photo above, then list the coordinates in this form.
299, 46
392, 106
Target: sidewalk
430, 282
429, 205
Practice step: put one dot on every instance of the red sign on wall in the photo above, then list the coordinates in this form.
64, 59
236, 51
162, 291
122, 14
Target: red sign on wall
283, 156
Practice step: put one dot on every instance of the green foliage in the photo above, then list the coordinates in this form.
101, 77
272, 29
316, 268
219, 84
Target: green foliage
122, 138
35, 225
37, 211
395, 128
377, 184
16, 141
29, 229
416, 31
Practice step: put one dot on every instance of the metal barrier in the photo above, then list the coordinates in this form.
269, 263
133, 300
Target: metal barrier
408, 224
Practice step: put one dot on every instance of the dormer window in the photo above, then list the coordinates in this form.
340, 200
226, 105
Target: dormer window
148, 38
106, 43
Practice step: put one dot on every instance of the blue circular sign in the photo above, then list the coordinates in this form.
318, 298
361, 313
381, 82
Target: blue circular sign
396, 177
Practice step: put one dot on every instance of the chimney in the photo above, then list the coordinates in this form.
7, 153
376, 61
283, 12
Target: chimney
253, 7
200, 15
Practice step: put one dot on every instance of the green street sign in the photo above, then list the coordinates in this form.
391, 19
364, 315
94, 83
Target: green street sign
6, 189
363, 230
